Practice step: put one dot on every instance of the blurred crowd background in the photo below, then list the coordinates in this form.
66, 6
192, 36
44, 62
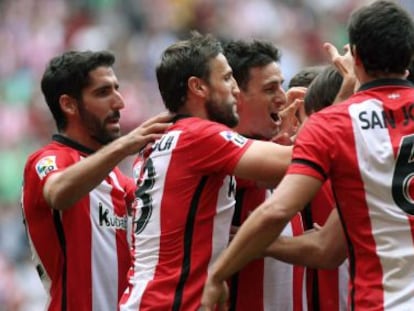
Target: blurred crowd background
33, 31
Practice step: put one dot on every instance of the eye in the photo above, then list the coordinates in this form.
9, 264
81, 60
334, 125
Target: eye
270, 90
228, 77
103, 91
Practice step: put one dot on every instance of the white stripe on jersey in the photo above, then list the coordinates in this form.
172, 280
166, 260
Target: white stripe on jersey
278, 282
391, 229
103, 246
222, 222
147, 249
343, 277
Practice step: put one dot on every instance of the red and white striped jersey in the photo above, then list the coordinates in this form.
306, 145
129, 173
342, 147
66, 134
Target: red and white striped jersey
265, 284
365, 146
81, 254
181, 223
327, 289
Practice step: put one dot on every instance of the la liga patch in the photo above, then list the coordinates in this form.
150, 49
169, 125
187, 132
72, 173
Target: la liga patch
234, 137
45, 165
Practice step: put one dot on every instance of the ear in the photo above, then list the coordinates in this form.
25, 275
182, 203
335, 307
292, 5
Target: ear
68, 105
355, 55
197, 86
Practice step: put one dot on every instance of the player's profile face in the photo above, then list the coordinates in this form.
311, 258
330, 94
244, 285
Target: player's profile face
99, 108
223, 90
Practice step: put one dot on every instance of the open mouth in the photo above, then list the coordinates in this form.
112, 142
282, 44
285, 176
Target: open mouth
275, 116
113, 121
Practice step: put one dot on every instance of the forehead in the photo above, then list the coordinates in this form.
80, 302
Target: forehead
219, 65
270, 73
101, 74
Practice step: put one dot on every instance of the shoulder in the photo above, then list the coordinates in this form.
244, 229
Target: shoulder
200, 129
50, 157
197, 125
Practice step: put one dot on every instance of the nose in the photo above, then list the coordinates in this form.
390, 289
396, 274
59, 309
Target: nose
235, 88
280, 98
118, 102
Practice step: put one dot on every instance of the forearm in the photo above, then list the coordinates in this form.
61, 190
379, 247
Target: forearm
64, 188
256, 233
301, 250
323, 249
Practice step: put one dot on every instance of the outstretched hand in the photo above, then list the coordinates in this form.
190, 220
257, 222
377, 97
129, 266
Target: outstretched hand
291, 116
345, 65
215, 296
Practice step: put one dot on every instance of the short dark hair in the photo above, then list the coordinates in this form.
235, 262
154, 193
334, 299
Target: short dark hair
322, 91
181, 61
383, 35
69, 74
305, 76
243, 55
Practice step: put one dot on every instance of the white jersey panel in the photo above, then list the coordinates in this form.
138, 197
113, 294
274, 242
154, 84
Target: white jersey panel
146, 250
222, 220
277, 281
391, 229
105, 290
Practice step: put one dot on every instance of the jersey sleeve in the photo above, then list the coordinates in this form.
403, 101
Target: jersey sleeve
314, 148
40, 166
216, 148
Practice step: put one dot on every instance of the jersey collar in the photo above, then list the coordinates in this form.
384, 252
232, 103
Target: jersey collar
71, 143
385, 82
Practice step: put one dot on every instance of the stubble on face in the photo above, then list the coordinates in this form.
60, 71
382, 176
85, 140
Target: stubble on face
223, 112
221, 102
99, 129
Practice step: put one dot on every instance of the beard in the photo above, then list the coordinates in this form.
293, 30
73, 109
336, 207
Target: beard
222, 112
97, 129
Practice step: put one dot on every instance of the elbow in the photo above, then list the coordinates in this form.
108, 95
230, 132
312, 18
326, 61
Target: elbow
272, 214
53, 200
334, 260
54, 197
328, 258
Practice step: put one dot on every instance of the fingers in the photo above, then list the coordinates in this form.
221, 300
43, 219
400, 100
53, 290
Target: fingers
163, 117
283, 139
215, 295
342, 62
331, 50
300, 112
316, 226
154, 128
295, 93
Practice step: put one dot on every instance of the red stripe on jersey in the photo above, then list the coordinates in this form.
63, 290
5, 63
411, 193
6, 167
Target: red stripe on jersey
324, 286
79, 253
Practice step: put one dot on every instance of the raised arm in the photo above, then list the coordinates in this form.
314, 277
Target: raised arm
63, 189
